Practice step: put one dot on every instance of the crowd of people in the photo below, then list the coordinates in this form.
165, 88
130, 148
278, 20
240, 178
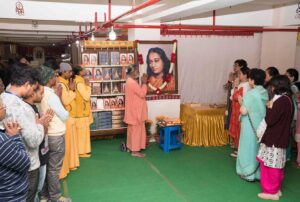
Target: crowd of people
263, 121
45, 127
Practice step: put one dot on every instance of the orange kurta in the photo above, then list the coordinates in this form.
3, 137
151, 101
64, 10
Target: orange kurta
71, 158
83, 116
135, 114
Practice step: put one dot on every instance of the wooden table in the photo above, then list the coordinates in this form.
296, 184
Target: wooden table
203, 125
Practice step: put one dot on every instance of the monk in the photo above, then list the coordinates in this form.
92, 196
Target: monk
71, 159
135, 112
83, 111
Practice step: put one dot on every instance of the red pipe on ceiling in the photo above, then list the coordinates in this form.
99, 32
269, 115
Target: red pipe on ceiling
141, 6
207, 28
214, 19
109, 10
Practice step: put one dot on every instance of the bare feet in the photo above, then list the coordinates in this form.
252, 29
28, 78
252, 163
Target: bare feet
274, 197
138, 154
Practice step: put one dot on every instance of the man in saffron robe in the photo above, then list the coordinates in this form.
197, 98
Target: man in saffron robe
135, 112
71, 159
83, 111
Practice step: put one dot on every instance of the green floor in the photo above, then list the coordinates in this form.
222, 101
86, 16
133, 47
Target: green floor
190, 174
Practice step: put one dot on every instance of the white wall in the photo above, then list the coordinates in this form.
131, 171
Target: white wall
205, 62
169, 108
279, 50
297, 57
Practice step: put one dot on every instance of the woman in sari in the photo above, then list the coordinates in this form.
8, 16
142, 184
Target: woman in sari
253, 110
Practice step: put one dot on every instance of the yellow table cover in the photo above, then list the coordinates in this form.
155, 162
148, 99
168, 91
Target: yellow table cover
203, 125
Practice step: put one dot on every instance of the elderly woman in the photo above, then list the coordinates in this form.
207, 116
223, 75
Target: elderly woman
253, 110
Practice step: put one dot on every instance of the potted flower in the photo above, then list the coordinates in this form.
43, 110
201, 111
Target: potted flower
159, 123
148, 124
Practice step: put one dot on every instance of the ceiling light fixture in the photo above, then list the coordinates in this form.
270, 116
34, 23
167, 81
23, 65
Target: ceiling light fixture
93, 37
112, 34
77, 42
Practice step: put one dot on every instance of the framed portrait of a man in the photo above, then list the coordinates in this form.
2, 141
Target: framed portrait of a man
98, 74
123, 59
89, 72
85, 59
158, 59
93, 59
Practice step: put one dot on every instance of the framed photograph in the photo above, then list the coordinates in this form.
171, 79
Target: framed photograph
106, 88
85, 59
106, 73
94, 103
116, 74
123, 59
116, 88
98, 74
103, 58
120, 101
89, 72
160, 65
112, 103
96, 88
130, 58
93, 59
106, 103
114, 58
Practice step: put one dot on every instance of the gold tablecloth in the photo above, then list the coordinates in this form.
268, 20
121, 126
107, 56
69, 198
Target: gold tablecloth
203, 125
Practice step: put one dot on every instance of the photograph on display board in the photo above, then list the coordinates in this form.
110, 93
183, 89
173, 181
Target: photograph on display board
116, 73
112, 103
157, 58
96, 88
123, 59
106, 72
93, 59
116, 88
130, 58
98, 74
106, 103
85, 59
94, 103
114, 58
120, 101
89, 73
106, 88
103, 58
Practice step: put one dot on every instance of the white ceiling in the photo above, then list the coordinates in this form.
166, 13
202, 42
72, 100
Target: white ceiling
57, 19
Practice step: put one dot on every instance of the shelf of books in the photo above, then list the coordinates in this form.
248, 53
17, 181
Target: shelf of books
106, 64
